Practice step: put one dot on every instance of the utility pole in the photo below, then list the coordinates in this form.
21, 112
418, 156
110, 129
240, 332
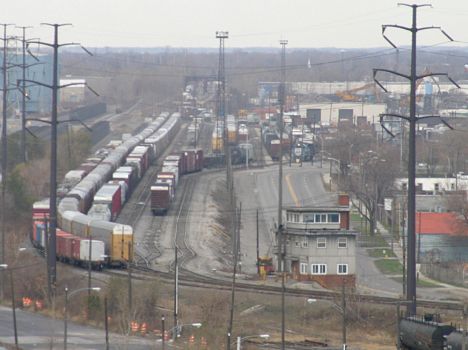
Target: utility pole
343, 306
24, 96
465, 314
52, 256
412, 120
281, 238
129, 270
4, 147
258, 247
233, 288
176, 293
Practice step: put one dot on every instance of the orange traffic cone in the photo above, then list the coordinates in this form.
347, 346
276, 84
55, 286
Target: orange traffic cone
143, 328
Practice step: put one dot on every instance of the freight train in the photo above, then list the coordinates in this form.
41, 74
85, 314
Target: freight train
163, 191
118, 168
426, 333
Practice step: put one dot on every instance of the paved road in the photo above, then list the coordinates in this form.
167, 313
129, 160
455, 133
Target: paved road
37, 332
302, 186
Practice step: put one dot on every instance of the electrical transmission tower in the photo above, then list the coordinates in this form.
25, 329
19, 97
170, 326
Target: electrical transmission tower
412, 119
51, 256
5, 90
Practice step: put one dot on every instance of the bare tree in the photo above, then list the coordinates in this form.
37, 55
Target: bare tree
373, 181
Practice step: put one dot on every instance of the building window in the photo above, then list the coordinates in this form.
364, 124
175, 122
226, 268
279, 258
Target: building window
303, 269
342, 269
322, 218
333, 218
321, 242
436, 187
297, 243
319, 269
342, 242
305, 243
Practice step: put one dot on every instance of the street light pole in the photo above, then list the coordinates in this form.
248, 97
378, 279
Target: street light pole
65, 320
240, 339
65, 317
106, 323
13, 305
163, 330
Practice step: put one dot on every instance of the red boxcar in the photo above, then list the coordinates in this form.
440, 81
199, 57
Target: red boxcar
160, 198
75, 247
62, 243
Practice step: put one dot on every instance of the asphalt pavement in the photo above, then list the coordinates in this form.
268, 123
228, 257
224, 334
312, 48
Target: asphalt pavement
36, 331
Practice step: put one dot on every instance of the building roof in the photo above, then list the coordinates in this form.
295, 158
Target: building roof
338, 208
440, 224
321, 232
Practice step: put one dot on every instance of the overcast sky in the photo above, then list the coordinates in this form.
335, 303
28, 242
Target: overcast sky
193, 23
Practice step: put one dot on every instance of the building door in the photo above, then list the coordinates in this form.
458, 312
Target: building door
295, 269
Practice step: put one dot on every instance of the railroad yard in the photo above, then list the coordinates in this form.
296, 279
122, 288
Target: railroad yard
217, 197
194, 224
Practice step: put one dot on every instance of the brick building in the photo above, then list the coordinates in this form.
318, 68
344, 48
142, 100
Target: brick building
320, 246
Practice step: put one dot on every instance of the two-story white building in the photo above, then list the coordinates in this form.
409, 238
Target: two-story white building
320, 245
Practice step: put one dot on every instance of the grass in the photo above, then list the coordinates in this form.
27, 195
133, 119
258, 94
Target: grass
356, 217
381, 253
389, 266
375, 240
420, 283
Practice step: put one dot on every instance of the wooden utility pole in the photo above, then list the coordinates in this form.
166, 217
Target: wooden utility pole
343, 306
258, 248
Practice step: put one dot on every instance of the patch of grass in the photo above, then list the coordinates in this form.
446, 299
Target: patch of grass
389, 266
356, 217
420, 283
381, 253
375, 240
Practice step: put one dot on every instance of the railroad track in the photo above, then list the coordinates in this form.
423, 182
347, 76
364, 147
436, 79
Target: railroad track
184, 251
187, 278
195, 280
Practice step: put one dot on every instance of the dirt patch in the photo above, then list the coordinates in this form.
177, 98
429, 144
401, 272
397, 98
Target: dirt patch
225, 220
